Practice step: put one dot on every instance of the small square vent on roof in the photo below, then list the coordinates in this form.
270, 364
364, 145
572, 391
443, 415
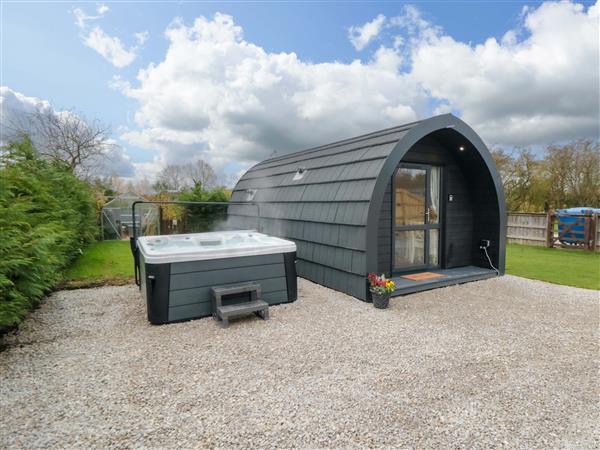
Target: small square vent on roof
300, 173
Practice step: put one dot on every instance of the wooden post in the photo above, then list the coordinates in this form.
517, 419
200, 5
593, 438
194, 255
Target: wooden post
160, 218
102, 224
593, 231
587, 225
550, 229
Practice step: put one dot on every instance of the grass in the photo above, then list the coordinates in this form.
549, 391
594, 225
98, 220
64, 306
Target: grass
104, 262
110, 262
578, 268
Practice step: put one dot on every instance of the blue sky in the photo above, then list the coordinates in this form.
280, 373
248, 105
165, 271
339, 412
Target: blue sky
43, 56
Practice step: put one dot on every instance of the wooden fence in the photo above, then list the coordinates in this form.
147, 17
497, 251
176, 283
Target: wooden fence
530, 229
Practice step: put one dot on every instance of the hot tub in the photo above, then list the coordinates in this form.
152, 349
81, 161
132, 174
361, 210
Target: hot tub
177, 272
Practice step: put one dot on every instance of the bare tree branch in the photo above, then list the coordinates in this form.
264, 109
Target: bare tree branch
67, 138
198, 174
201, 174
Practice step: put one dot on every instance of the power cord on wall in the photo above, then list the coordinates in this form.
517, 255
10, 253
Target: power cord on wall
490, 260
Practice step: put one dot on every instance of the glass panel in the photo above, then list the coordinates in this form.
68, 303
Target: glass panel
434, 195
409, 248
434, 241
410, 187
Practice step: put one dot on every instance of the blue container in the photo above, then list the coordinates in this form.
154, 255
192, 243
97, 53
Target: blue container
571, 226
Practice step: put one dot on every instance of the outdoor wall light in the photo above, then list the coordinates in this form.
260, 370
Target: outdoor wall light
461, 148
299, 173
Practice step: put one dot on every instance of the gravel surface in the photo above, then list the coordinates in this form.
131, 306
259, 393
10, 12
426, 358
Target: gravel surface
506, 362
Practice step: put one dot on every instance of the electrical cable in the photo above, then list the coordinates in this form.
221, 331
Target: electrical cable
490, 261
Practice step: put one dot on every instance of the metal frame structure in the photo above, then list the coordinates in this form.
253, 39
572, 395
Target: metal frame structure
133, 238
115, 214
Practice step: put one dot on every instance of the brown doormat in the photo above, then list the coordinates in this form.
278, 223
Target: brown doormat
423, 276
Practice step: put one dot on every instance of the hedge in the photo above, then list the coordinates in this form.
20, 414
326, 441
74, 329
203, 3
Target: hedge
47, 216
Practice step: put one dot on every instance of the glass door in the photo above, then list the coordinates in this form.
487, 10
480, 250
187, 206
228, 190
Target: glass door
416, 201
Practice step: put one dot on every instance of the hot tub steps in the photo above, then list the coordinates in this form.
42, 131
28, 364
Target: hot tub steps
225, 312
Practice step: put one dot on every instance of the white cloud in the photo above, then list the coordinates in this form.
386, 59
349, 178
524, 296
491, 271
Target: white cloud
111, 48
414, 25
542, 88
14, 104
218, 96
81, 18
16, 110
141, 37
222, 98
360, 36
102, 9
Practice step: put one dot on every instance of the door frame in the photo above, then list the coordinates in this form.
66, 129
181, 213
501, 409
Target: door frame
440, 226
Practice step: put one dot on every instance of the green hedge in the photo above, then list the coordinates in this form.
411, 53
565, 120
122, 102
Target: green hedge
201, 218
46, 216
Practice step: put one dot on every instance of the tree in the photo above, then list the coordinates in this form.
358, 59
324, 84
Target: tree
573, 172
177, 177
67, 138
47, 215
528, 190
201, 173
505, 164
567, 176
170, 178
202, 218
522, 177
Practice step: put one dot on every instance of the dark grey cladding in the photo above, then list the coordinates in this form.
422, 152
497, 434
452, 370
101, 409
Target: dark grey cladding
322, 199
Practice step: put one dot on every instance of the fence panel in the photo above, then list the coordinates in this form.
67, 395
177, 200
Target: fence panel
526, 228
530, 229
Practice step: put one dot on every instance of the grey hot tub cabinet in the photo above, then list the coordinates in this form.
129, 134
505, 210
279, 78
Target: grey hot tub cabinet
181, 290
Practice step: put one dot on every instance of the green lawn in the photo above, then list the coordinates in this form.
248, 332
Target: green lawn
104, 262
110, 262
561, 266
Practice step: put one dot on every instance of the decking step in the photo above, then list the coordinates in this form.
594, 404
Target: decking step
255, 305
242, 308
236, 289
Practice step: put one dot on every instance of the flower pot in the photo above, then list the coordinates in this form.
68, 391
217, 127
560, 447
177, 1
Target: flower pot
380, 301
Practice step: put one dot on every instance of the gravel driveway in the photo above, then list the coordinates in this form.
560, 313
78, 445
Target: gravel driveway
506, 362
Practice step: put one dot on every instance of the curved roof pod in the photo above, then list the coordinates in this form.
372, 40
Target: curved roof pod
328, 199
426, 128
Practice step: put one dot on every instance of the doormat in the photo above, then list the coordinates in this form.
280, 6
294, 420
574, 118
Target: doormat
423, 276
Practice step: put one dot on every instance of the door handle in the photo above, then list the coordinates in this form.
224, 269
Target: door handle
427, 215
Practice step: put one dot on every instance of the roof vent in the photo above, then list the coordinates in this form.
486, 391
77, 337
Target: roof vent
300, 173
250, 193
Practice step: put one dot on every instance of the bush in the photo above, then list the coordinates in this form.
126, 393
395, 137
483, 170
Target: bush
46, 216
202, 218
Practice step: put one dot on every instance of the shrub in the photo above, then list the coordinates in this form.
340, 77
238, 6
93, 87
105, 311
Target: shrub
202, 218
46, 217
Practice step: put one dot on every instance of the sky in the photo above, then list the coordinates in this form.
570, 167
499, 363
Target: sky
236, 82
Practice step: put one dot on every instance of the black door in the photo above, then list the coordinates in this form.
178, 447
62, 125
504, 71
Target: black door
416, 221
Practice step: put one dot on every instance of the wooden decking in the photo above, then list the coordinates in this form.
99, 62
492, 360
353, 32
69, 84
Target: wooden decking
450, 276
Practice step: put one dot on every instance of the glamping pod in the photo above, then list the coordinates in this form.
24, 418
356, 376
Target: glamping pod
422, 203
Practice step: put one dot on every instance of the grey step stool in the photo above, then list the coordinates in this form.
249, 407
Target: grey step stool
225, 312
